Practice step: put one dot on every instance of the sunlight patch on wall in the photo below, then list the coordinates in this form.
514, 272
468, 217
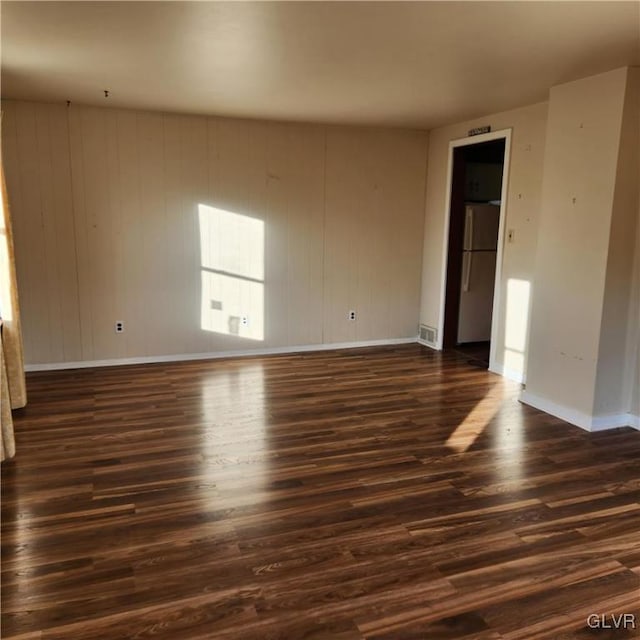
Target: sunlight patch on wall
516, 324
232, 273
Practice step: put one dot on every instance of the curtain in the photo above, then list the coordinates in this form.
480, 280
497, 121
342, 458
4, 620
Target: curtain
13, 391
7, 443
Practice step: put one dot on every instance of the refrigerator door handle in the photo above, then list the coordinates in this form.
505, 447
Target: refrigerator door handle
468, 230
467, 258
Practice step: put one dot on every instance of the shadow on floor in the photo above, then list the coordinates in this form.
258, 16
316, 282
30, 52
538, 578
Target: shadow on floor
477, 353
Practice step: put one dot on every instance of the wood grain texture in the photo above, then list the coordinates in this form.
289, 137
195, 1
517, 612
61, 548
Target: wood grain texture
372, 493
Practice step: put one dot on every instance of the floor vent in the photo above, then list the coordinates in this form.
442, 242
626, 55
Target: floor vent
428, 335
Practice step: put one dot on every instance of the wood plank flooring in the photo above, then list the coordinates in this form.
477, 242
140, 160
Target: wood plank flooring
374, 493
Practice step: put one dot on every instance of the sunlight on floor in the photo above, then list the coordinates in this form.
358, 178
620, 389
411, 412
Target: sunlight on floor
508, 442
473, 425
234, 444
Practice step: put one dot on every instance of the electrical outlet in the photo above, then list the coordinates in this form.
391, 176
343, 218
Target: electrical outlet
119, 326
244, 321
352, 315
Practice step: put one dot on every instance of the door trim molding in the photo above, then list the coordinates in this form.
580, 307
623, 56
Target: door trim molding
502, 134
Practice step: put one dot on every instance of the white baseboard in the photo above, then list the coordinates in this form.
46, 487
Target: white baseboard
601, 423
572, 416
579, 419
424, 343
495, 367
505, 372
214, 355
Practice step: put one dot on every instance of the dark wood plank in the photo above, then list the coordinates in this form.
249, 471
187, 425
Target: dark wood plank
369, 493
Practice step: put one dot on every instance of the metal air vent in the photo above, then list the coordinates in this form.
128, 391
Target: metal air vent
428, 335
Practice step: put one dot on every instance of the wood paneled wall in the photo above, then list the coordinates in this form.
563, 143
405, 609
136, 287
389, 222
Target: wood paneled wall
106, 215
527, 126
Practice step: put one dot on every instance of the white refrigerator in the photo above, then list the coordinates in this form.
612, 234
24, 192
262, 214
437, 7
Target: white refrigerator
478, 272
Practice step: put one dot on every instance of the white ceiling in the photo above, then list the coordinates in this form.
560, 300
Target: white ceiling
417, 64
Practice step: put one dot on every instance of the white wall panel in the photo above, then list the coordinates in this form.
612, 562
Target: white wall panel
522, 214
153, 219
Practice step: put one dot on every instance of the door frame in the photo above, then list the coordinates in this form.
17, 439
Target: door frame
502, 134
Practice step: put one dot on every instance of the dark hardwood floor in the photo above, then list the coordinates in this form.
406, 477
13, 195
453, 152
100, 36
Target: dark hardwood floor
476, 353
379, 493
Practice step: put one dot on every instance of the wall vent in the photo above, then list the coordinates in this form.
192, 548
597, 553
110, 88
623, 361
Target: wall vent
428, 335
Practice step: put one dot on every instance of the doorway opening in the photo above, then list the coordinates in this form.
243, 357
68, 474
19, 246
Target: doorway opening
473, 245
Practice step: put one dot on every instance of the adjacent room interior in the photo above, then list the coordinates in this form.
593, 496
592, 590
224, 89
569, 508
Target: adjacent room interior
320, 320
475, 212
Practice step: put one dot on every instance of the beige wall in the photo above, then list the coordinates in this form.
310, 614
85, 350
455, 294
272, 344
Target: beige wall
117, 217
616, 355
580, 173
523, 203
633, 362
632, 369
